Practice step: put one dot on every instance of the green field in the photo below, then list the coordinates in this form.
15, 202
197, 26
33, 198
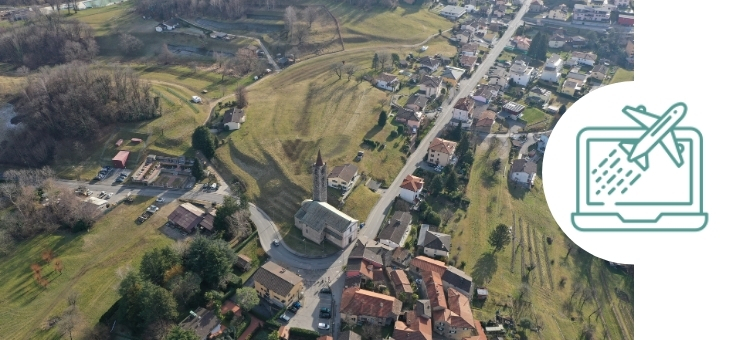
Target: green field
93, 262
494, 203
623, 75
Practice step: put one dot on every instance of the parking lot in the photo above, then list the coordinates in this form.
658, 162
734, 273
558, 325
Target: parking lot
309, 315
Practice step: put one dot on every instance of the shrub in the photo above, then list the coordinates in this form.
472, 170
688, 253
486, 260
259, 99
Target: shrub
304, 333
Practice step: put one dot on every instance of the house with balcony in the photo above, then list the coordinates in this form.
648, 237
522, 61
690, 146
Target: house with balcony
359, 305
521, 73
591, 13
388, 82
469, 49
441, 151
552, 69
582, 58
463, 109
558, 13
343, 177
278, 285
523, 172
431, 86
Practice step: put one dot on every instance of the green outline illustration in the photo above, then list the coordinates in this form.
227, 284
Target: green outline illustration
656, 130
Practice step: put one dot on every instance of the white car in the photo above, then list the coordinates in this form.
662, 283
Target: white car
324, 326
160, 200
285, 317
276, 242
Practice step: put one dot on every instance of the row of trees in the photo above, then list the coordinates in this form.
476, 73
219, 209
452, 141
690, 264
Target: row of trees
223, 9
47, 40
538, 47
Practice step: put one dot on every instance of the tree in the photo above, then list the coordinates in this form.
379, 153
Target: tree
203, 140
179, 333
464, 144
68, 321
246, 298
72, 298
301, 33
223, 212
311, 14
240, 226
383, 59
395, 58
338, 69
440, 31
437, 185
130, 44
376, 61
538, 47
496, 165
446, 214
197, 170
185, 286
382, 118
211, 259
452, 182
350, 70
562, 109
158, 306
156, 262
457, 134
290, 17
372, 331
467, 158
499, 237
165, 56
274, 335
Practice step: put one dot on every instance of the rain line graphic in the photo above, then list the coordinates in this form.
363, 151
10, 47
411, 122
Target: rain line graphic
612, 171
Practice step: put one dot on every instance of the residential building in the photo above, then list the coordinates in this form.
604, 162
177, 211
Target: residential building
412, 118
171, 24
468, 62
417, 102
401, 257
542, 142
571, 86
429, 63
397, 229
189, 218
621, 3
499, 11
463, 109
469, 49
455, 322
434, 290
521, 73
319, 221
320, 179
539, 95
578, 41
557, 41
233, 118
441, 151
591, 13
364, 271
582, 58
452, 12
553, 67
411, 188
243, 262
348, 335
205, 324
498, 76
368, 307
278, 285
370, 251
523, 172
343, 177
457, 279
537, 6
599, 72
558, 13
485, 122
412, 326
484, 93
521, 42
514, 110
452, 75
388, 82
434, 244
626, 20
431, 86
400, 282
421, 264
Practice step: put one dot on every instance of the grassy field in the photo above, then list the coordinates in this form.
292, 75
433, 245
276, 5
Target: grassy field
360, 202
534, 115
92, 263
623, 75
194, 80
503, 272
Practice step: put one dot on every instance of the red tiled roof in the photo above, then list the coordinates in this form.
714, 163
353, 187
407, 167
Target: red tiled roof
444, 146
356, 301
415, 328
426, 264
464, 104
412, 183
460, 306
230, 306
435, 289
401, 281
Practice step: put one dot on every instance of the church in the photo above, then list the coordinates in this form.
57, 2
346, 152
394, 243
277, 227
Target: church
318, 220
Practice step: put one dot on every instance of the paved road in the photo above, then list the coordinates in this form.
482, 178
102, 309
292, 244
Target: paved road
120, 191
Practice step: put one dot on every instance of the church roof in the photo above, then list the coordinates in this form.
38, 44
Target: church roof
319, 161
319, 215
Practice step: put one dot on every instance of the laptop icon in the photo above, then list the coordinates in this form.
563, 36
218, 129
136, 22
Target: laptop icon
646, 177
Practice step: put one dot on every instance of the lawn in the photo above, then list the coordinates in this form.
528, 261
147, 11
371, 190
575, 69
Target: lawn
93, 263
623, 75
534, 115
273, 152
360, 202
254, 251
503, 273
196, 81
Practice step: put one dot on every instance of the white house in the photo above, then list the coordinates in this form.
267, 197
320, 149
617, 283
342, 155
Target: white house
470, 50
321, 221
557, 41
553, 67
233, 119
452, 12
388, 82
539, 95
521, 73
433, 243
484, 93
343, 177
441, 151
599, 72
582, 58
591, 13
523, 172
411, 188
431, 86
462, 109
170, 24
469, 8
558, 13
542, 141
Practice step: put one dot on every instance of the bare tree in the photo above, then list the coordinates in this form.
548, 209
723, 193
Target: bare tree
245, 60
68, 321
241, 96
239, 223
338, 69
446, 215
350, 70
311, 14
129, 44
290, 17
383, 58
165, 56
6, 242
301, 33
219, 58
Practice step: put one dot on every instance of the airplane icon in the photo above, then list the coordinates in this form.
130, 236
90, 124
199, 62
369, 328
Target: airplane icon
658, 130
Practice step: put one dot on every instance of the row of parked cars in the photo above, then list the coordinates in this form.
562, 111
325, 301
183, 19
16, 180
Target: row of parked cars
104, 172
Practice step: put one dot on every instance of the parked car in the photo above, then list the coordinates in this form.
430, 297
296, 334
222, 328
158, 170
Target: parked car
297, 304
325, 315
325, 291
275, 242
324, 326
325, 310
160, 200
285, 317
293, 309
362, 225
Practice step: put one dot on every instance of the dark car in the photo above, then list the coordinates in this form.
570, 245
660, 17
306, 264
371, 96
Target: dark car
325, 310
293, 309
325, 315
325, 291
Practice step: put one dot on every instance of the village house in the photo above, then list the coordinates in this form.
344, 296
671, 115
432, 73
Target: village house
591, 13
170, 24
233, 119
523, 172
368, 307
189, 218
470, 49
456, 322
397, 229
388, 82
319, 221
452, 12
412, 118
421, 264
243, 262
369, 252
400, 282
514, 110
365, 271
599, 72
557, 41
521, 73
521, 43
539, 95
582, 58
558, 13
578, 41
205, 324
621, 3
484, 93
411, 188
431, 86
499, 11
417, 102
429, 63
452, 75
433, 243
537, 6
401, 257
277, 285
542, 142
457, 279
343, 177
413, 326
468, 62
463, 109
441, 151
553, 67
499, 76
485, 122
570, 87
434, 290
